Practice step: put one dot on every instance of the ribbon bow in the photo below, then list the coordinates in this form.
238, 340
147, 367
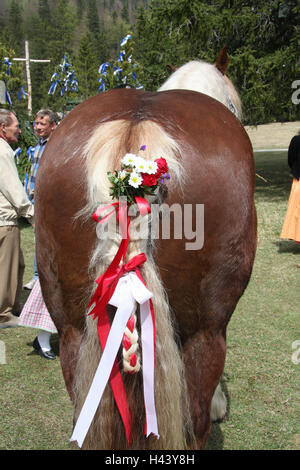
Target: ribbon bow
107, 283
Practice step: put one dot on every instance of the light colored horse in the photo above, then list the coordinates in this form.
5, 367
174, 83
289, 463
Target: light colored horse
210, 79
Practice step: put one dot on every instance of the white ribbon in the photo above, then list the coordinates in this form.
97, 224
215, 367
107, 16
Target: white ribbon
129, 289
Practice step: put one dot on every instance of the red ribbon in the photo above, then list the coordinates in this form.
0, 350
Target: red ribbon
107, 283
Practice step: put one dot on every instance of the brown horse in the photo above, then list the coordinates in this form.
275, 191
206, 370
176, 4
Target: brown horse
195, 291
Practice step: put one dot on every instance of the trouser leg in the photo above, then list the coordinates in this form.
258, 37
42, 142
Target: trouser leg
10, 258
17, 304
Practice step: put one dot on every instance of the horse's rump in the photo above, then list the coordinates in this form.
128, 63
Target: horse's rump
211, 163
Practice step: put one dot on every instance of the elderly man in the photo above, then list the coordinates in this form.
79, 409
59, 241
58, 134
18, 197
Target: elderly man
14, 203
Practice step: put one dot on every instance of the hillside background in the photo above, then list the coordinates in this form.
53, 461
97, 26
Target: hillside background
262, 39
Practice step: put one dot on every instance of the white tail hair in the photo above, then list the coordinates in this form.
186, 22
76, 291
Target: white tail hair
104, 150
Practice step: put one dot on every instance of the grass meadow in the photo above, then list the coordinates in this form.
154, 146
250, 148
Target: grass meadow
261, 379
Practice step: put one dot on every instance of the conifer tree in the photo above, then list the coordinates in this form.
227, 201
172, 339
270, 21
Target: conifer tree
80, 8
86, 68
15, 28
39, 32
96, 28
63, 26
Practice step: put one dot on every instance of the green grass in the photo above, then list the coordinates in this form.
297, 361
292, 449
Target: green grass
35, 409
260, 379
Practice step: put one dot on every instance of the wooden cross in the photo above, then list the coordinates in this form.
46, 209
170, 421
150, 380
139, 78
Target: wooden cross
27, 61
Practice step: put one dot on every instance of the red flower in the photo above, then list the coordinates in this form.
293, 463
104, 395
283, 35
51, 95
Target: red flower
162, 167
149, 180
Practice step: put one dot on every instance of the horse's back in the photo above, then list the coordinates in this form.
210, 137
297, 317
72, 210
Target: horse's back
217, 159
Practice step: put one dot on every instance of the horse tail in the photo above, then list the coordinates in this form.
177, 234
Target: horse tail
108, 144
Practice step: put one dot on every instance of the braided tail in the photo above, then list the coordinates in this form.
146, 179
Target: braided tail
131, 361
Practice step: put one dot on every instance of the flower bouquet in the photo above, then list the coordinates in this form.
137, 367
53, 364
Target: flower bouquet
138, 177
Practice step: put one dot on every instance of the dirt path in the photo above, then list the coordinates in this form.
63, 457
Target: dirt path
272, 136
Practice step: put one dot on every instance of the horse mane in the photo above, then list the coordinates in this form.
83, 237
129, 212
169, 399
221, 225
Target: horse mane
210, 79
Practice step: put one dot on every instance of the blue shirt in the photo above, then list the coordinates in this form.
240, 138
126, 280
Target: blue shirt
36, 154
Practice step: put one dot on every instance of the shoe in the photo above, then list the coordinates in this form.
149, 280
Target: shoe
49, 354
30, 284
12, 323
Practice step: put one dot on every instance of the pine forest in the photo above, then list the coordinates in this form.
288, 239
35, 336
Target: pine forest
262, 40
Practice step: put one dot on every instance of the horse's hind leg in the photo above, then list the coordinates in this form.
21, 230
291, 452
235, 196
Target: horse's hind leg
69, 344
204, 357
205, 351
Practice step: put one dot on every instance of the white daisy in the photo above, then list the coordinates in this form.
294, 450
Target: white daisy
129, 159
151, 168
135, 179
141, 165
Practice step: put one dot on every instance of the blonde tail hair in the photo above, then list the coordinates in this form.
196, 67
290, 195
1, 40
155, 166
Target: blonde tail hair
103, 153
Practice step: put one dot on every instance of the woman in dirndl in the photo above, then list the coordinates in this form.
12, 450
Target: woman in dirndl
35, 315
291, 225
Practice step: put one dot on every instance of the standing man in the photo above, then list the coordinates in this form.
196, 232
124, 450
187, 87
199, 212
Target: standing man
14, 203
45, 123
